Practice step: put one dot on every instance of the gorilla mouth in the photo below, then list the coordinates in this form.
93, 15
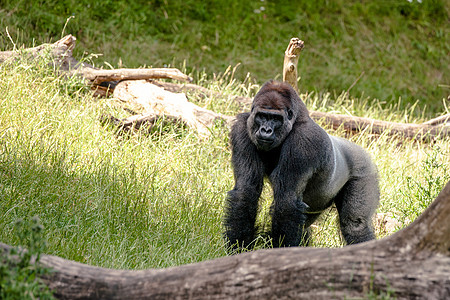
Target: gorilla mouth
265, 144
265, 141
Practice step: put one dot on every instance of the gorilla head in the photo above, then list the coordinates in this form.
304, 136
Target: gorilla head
273, 113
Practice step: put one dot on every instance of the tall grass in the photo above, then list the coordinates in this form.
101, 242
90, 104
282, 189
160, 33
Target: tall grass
156, 200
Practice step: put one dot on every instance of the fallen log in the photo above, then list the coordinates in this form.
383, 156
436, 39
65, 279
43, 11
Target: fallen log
61, 52
413, 263
428, 131
202, 92
98, 76
421, 132
155, 101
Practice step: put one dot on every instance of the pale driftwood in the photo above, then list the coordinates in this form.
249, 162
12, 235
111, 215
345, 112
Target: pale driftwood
291, 56
97, 76
202, 92
413, 263
154, 100
439, 120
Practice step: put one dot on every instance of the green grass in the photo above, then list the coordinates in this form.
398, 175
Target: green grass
151, 201
20, 270
400, 47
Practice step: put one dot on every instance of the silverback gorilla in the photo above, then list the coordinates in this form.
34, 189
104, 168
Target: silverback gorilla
308, 169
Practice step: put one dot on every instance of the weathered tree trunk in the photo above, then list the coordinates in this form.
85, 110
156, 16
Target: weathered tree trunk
414, 263
291, 56
61, 51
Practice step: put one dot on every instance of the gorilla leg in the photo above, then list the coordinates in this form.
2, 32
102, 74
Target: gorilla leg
356, 203
240, 215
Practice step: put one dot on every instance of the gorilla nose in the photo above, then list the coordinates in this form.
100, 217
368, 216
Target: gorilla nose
266, 133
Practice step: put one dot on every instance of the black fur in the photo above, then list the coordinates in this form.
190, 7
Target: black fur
307, 168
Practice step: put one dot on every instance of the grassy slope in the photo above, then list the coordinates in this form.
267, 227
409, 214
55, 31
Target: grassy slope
154, 201
401, 47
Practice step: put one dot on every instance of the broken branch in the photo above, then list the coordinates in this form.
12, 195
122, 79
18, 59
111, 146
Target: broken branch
291, 56
97, 76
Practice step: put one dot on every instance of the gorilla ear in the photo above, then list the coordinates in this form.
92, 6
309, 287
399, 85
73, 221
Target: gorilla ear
290, 114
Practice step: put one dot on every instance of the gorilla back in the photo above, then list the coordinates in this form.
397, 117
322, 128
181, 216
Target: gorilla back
308, 169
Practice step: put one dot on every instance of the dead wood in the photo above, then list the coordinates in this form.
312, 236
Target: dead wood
291, 56
439, 120
422, 132
154, 100
413, 263
61, 52
202, 92
97, 76
105, 81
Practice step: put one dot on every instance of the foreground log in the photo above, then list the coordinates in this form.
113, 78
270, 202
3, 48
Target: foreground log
414, 263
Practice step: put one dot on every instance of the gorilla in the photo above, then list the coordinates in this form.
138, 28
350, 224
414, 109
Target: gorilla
308, 170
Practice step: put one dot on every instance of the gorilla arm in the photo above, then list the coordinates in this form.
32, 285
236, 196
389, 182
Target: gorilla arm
289, 180
242, 202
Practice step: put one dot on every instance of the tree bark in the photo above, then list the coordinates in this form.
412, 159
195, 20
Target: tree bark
414, 263
291, 56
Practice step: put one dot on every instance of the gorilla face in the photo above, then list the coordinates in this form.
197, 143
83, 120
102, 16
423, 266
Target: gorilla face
269, 127
271, 118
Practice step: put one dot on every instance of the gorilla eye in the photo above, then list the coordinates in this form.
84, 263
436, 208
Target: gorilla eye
290, 114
